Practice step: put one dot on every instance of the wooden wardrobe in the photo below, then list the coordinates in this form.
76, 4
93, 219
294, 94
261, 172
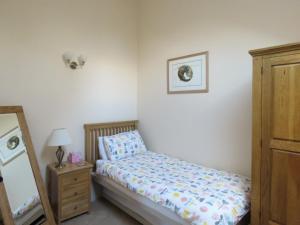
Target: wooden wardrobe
276, 136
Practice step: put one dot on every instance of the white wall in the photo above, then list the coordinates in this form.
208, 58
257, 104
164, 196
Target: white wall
213, 129
7, 123
18, 173
33, 36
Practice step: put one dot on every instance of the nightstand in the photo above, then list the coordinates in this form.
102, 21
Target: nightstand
69, 190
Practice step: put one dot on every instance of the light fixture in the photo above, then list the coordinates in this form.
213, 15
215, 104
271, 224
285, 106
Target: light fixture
59, 137
74, 61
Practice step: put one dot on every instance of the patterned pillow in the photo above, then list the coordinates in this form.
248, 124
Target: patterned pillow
124, 145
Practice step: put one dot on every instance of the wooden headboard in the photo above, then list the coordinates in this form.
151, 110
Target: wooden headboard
93, 131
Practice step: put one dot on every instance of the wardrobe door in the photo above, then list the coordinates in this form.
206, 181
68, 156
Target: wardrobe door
280, 171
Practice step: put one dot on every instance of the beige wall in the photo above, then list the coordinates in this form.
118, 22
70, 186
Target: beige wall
33, 36
213, 129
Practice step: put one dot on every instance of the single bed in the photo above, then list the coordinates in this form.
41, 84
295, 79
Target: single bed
150, 206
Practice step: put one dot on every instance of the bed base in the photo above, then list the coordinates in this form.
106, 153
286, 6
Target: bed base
142, 209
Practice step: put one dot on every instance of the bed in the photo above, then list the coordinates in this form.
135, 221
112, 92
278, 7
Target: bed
128, 184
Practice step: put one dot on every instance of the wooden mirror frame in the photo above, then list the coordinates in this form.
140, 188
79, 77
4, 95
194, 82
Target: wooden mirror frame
4, 204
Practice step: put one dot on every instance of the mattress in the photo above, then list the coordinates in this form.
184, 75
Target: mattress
199, 195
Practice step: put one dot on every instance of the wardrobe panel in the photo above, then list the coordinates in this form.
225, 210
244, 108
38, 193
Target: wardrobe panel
285, 188
293, 190
286, 102
279, 186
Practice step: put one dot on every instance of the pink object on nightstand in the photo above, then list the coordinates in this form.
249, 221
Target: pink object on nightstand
74, 157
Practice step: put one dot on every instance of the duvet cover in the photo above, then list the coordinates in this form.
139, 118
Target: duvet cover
200, 195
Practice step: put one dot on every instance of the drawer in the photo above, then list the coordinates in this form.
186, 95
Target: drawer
74, 208
75, 191
73, 199
75, 178
76, 186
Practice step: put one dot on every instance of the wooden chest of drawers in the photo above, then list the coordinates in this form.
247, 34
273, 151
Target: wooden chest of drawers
69, 190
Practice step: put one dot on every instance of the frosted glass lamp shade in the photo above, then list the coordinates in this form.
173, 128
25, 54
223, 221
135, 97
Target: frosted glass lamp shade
59, 137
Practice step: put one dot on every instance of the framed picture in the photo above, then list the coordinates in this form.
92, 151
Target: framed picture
188, 74
11, 145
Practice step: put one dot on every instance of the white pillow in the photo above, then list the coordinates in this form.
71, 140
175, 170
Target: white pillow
124, 145
101, 147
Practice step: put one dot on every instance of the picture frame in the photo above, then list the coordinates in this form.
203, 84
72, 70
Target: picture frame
188, 74
11, 145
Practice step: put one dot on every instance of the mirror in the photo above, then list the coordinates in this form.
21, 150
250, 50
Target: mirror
18, 178
18, 169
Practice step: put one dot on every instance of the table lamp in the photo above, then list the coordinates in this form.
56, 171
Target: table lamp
59, 137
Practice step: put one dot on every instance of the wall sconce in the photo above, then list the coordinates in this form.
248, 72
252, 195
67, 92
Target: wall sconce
73, 61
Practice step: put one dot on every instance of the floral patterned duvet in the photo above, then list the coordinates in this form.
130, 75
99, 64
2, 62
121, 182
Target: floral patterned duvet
200, 195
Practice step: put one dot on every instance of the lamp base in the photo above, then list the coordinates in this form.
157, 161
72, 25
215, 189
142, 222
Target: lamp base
60, 155
58, 166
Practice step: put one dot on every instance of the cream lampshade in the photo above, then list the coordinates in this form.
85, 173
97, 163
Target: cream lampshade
59, 137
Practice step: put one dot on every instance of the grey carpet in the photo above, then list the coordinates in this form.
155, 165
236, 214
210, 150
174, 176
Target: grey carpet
103, 213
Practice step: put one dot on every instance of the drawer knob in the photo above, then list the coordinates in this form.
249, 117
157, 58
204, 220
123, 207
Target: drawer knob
75, 179
76, 193
75, 207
